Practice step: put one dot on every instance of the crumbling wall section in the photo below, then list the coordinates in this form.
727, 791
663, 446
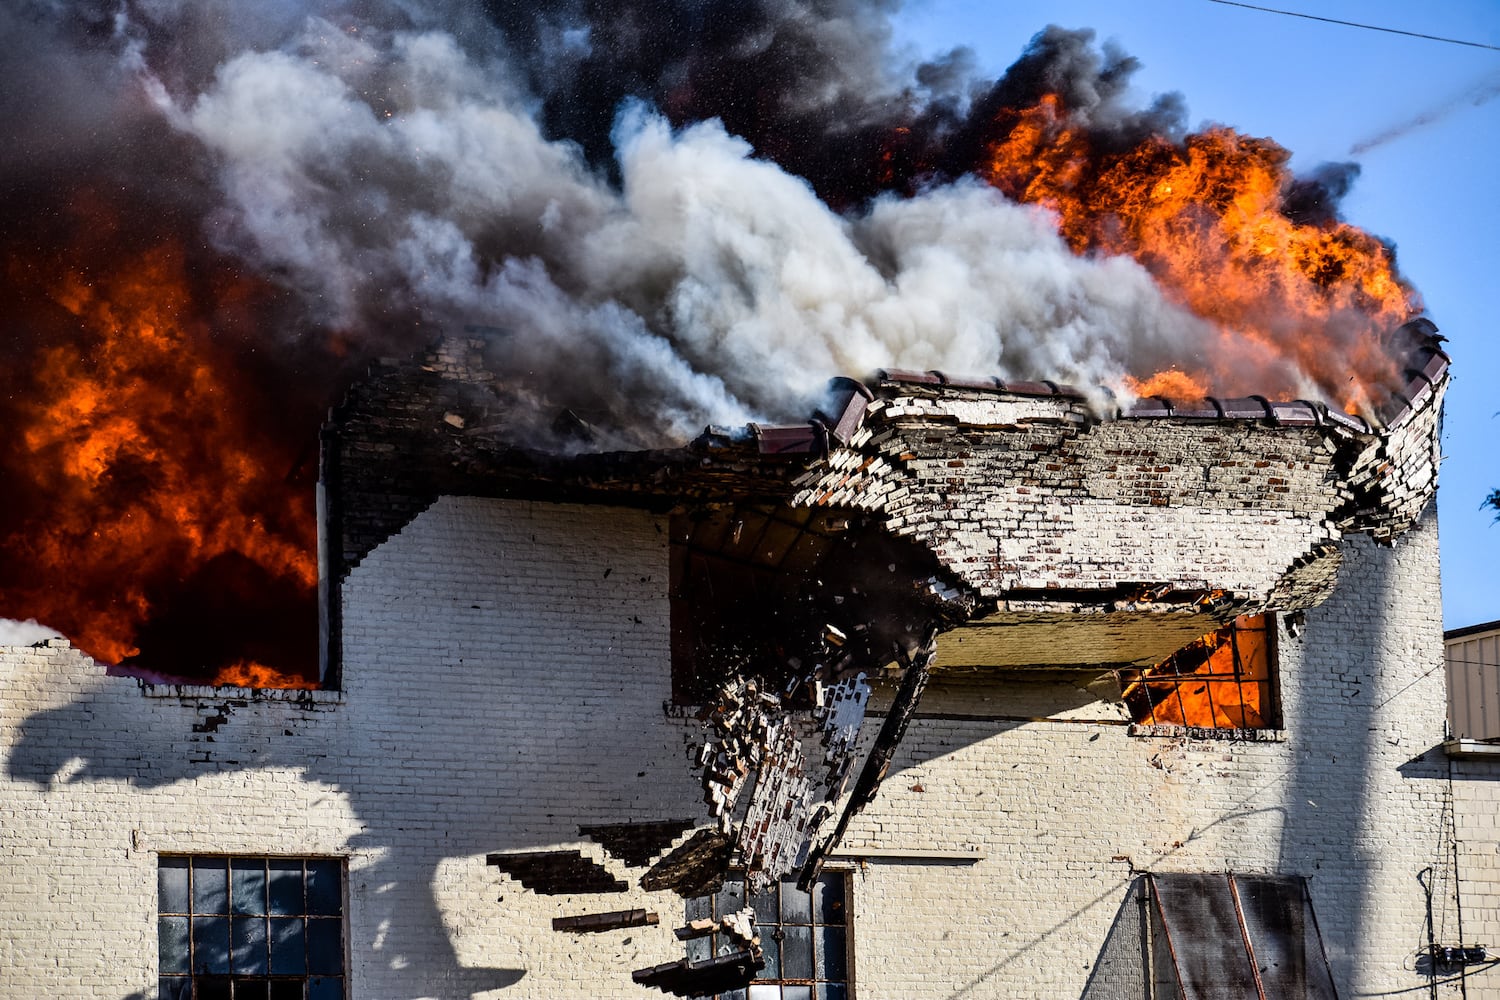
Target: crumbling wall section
1032, 500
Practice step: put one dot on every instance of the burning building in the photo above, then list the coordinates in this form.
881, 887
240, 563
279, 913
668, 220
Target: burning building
959, 686
1091, 647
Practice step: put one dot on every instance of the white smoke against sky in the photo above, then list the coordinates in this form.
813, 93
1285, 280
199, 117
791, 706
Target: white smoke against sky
391, 169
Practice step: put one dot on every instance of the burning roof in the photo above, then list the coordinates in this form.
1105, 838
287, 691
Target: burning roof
697, 217
920, 522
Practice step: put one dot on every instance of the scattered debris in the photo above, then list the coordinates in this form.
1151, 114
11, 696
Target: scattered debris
691, 979
592, 923
696, 868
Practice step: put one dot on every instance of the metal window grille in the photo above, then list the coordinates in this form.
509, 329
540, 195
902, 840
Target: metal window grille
805, 938
1222, 680
244, 928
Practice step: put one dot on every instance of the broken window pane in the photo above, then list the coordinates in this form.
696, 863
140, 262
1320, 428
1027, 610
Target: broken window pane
288, 947
248, 885
252, 989
804, 937
286, 886
286, 989
796, 905
172, 944
210, 885
831, 963
772, 950
212, 988
175, 989
1222, 680
325, 945
324, 896
210, 945
765, 906
248, 936
325, 988
828, 899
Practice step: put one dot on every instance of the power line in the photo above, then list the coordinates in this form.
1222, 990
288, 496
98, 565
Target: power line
1356, 24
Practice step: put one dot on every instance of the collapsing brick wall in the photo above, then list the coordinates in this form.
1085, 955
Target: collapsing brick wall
1008, 514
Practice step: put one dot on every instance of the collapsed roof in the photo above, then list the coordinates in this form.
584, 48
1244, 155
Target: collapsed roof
1012, 521
1031, 529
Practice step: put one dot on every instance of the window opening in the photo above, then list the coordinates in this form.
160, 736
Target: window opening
1222, 680
804, 936
247, 928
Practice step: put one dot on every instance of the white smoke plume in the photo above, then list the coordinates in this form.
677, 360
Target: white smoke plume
712, 282
409, 168
25, 633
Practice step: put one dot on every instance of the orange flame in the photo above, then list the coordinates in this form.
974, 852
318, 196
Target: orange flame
1172, 383
1220, 680
163, 518
1208, 218
257, 675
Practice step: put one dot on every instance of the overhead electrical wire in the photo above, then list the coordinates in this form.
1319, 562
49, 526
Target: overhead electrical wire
1356, 24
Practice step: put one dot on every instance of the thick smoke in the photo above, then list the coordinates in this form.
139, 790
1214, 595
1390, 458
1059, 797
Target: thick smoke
677, 213
394, 173
641, 193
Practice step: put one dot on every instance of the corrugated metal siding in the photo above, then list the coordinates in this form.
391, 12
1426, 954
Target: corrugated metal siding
1474, 686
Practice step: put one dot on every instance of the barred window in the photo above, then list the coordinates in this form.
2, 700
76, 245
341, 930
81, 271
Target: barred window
1223, 680
805, 938
245, 928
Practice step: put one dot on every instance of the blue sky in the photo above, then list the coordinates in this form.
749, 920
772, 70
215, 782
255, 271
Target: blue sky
1322, 90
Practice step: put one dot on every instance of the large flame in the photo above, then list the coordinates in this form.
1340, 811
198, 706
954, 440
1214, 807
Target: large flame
158, 528
162, 434
1210, 217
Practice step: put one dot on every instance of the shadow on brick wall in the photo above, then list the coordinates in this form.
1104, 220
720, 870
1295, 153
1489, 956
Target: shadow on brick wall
114, 734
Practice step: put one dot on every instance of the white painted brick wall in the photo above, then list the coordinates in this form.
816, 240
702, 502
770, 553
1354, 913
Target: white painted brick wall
505, 669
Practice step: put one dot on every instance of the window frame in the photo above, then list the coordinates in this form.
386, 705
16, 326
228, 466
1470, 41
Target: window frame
195, 910
709, 906
1156, 678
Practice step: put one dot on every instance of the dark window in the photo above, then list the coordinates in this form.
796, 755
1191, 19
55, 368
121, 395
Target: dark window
232, 928
805, 938
1223, 680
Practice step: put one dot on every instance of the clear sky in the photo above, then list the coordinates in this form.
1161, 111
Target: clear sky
1321, 90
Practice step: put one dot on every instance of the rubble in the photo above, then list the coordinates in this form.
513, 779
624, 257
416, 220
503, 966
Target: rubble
592, 923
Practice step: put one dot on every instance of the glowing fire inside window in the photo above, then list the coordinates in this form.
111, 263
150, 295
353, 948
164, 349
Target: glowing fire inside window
1222, 680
